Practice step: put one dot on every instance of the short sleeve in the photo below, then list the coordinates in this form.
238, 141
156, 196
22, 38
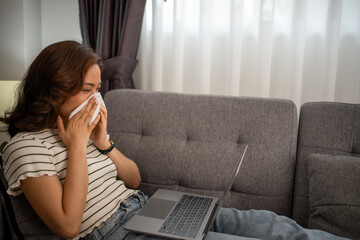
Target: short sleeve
26, 157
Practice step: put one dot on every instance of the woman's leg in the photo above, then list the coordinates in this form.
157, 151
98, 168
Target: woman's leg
264, 225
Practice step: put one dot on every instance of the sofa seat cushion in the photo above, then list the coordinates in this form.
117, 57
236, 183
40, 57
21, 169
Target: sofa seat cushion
334, 194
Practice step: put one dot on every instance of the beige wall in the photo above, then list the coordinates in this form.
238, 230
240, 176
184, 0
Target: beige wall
7, 94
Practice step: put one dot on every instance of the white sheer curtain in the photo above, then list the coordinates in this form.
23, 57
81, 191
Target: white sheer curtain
303, 50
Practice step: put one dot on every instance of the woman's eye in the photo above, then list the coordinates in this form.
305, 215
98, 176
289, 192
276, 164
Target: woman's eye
86, 90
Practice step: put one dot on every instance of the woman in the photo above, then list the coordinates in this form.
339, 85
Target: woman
61, 78
77, 182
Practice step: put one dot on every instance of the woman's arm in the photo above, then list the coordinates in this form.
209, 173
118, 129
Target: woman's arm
127, 170
61, 208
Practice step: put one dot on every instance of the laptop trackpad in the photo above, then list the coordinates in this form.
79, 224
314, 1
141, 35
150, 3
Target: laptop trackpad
157, 208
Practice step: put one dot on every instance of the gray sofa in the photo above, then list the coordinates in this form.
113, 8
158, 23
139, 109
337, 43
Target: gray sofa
191, 143
327, 179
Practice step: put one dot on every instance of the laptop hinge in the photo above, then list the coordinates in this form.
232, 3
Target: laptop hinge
212, 218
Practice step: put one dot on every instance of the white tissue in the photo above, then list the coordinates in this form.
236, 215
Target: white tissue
98, 99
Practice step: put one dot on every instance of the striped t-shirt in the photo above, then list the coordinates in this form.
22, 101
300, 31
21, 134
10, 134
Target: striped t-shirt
44, 153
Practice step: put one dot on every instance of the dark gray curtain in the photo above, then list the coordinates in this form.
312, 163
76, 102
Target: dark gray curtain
112, 28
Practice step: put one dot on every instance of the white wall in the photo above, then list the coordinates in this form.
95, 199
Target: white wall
27, 26
32, 30
12, 63
59, 21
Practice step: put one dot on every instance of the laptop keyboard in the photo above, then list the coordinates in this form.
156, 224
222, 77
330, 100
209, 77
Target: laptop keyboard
186, 218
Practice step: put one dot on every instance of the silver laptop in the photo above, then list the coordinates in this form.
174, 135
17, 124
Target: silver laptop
179, 215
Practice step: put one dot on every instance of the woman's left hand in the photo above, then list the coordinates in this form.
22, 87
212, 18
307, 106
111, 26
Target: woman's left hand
99, 134
127, 169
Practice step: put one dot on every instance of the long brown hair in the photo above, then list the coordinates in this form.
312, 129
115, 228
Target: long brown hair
56, 74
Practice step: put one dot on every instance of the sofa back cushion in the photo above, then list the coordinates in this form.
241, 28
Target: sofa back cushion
324, 128
192, 142
334, 194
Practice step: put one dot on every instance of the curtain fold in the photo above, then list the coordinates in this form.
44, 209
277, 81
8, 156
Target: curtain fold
112, 28
300, 50
118, 68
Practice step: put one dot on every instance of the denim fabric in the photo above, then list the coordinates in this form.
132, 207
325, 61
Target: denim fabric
262, 224
229, 224
113, 228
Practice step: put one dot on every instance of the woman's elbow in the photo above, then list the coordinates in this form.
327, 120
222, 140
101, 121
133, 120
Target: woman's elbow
134, 184
138, 182
68, 232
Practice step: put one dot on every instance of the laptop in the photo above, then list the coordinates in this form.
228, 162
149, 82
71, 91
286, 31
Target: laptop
179, 215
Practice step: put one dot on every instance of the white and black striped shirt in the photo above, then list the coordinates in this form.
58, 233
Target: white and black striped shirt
43, 153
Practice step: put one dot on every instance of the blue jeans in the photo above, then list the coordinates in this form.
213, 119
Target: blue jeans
229, 224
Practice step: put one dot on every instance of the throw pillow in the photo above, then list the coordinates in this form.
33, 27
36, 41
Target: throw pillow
334, 194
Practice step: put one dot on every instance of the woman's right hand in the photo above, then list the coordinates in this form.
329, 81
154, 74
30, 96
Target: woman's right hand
76, 133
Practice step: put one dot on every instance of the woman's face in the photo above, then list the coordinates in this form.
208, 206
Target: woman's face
91, 85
